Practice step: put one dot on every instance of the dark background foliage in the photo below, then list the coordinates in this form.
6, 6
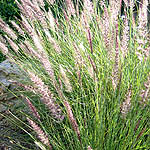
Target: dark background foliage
8, 11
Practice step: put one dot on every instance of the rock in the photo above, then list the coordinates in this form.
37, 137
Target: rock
8, 70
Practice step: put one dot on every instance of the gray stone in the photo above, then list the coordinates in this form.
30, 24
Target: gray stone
8, 71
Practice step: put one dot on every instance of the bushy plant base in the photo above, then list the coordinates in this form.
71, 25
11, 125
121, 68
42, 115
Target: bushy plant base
87, 74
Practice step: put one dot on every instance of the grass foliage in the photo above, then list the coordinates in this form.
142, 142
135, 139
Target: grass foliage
87, 75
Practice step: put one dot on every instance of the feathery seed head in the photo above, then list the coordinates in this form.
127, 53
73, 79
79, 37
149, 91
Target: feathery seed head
46, 96
146, 93
115, 6
51, 20
47, 65
12, 44
33, 109
51, 1
65, 79
115, 72
78, 57
41, 135
18, 28
53, 42
142, 27
72, 120
88, 8
27, 27
7, 29
88, 32
125, 38
3, 48
126, 104
70, 8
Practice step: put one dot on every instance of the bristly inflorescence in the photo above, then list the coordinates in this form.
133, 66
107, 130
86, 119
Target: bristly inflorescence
41, 135
72, 120
4, 48
145, 93
70, 8
46, 96
115, 73
65, 79
125, 37
33, 109
125, 107
7, 29
142, 51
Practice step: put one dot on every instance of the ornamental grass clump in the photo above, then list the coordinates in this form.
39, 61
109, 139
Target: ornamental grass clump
85, 73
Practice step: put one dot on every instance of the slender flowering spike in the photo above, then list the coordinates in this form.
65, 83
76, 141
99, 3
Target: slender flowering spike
125, 38
79, 76
2, 39
26, 10
18, 28
91, 71
46, 96
129, 3
12, 44
47, 65
53, 42
126, 104
88, 8
26, 87
7, 29
70, 7
115, 73
43, 58
37, 42
89, 36
28, 28
137, 125
142, 28
24, 48
33, 12
78, 57
41, 135
29, 49
51, 19
3, 48
33, 109
65, 79
82, 47
72, 120
115, 9
105, 29
145, 93
66, 16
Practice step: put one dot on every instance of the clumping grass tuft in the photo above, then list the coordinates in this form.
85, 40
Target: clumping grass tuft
86, 83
